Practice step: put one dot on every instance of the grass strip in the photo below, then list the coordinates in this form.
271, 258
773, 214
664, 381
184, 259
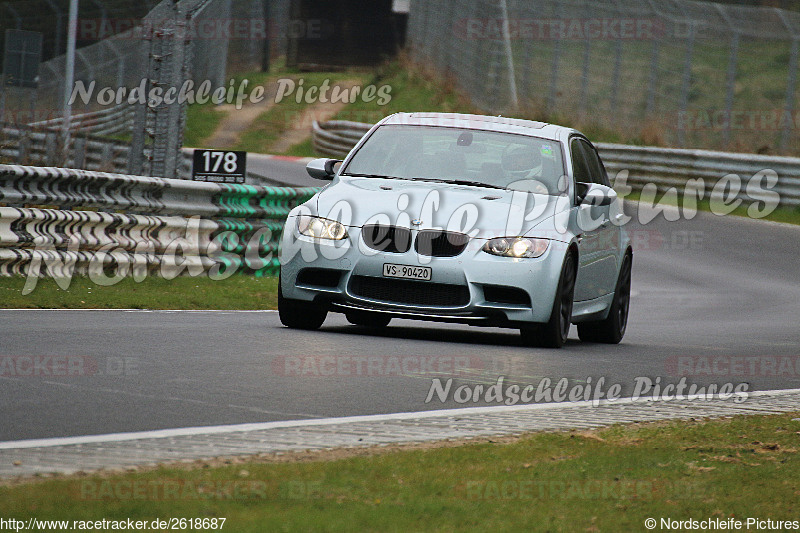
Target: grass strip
238, 292
605, 480
201, 122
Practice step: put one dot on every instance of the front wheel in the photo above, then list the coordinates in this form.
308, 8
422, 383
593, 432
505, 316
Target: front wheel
298, 314
554, 333
612, 329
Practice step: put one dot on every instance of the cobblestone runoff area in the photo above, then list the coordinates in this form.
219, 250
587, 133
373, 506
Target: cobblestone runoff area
86, 454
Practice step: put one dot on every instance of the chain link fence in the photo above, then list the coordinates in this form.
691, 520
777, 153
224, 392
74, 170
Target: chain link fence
198, 40
672, 72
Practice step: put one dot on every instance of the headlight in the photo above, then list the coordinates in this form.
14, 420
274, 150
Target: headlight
516, 247
321, 228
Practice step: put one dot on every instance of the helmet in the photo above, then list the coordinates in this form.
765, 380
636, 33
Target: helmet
519, 161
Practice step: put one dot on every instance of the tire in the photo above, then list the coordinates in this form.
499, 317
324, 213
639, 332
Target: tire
367, 319
297, 314
554, 333
612, 329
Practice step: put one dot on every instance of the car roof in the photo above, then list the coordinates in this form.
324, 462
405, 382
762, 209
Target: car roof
480, 122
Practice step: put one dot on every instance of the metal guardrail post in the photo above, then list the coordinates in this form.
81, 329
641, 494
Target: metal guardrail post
686, 82
655, 52
51, 147
89, 68
120, 62
107, 153
788, 108
79, 152
551, 96
69, 74
509, 56
24, 145
527, 51
731, 76
617, 71
587, 55
168, 138
791, 82
59, 26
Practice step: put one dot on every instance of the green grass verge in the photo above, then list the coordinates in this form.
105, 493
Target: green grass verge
266, 129
303, 149
413, 89
236, 292
607, 480
201, 121
271, 124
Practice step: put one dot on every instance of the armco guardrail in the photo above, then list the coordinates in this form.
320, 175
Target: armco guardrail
53, 220
669, 167
104, 122
43, 145
662, 167
336, 138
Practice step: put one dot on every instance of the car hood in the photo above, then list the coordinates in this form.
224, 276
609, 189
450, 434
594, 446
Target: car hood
481, 212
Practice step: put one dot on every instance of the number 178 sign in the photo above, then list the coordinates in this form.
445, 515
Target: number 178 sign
219, 166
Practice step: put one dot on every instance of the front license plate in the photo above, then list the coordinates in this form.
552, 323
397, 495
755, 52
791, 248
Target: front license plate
407, 272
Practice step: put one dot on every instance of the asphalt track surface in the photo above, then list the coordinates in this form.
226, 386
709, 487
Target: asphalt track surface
720, 294
283, 170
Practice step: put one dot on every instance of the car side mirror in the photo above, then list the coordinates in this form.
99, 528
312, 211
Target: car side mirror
322, 169
599, 195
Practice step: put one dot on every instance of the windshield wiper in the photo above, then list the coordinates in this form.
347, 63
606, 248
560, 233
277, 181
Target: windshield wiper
435, 180
379, 176
463, 182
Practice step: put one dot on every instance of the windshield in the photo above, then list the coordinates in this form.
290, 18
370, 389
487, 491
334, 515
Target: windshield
489, 158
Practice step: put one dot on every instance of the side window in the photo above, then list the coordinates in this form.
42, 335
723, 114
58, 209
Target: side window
579, 167
596, 168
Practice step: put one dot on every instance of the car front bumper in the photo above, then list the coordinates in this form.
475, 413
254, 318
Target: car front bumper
474, 287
